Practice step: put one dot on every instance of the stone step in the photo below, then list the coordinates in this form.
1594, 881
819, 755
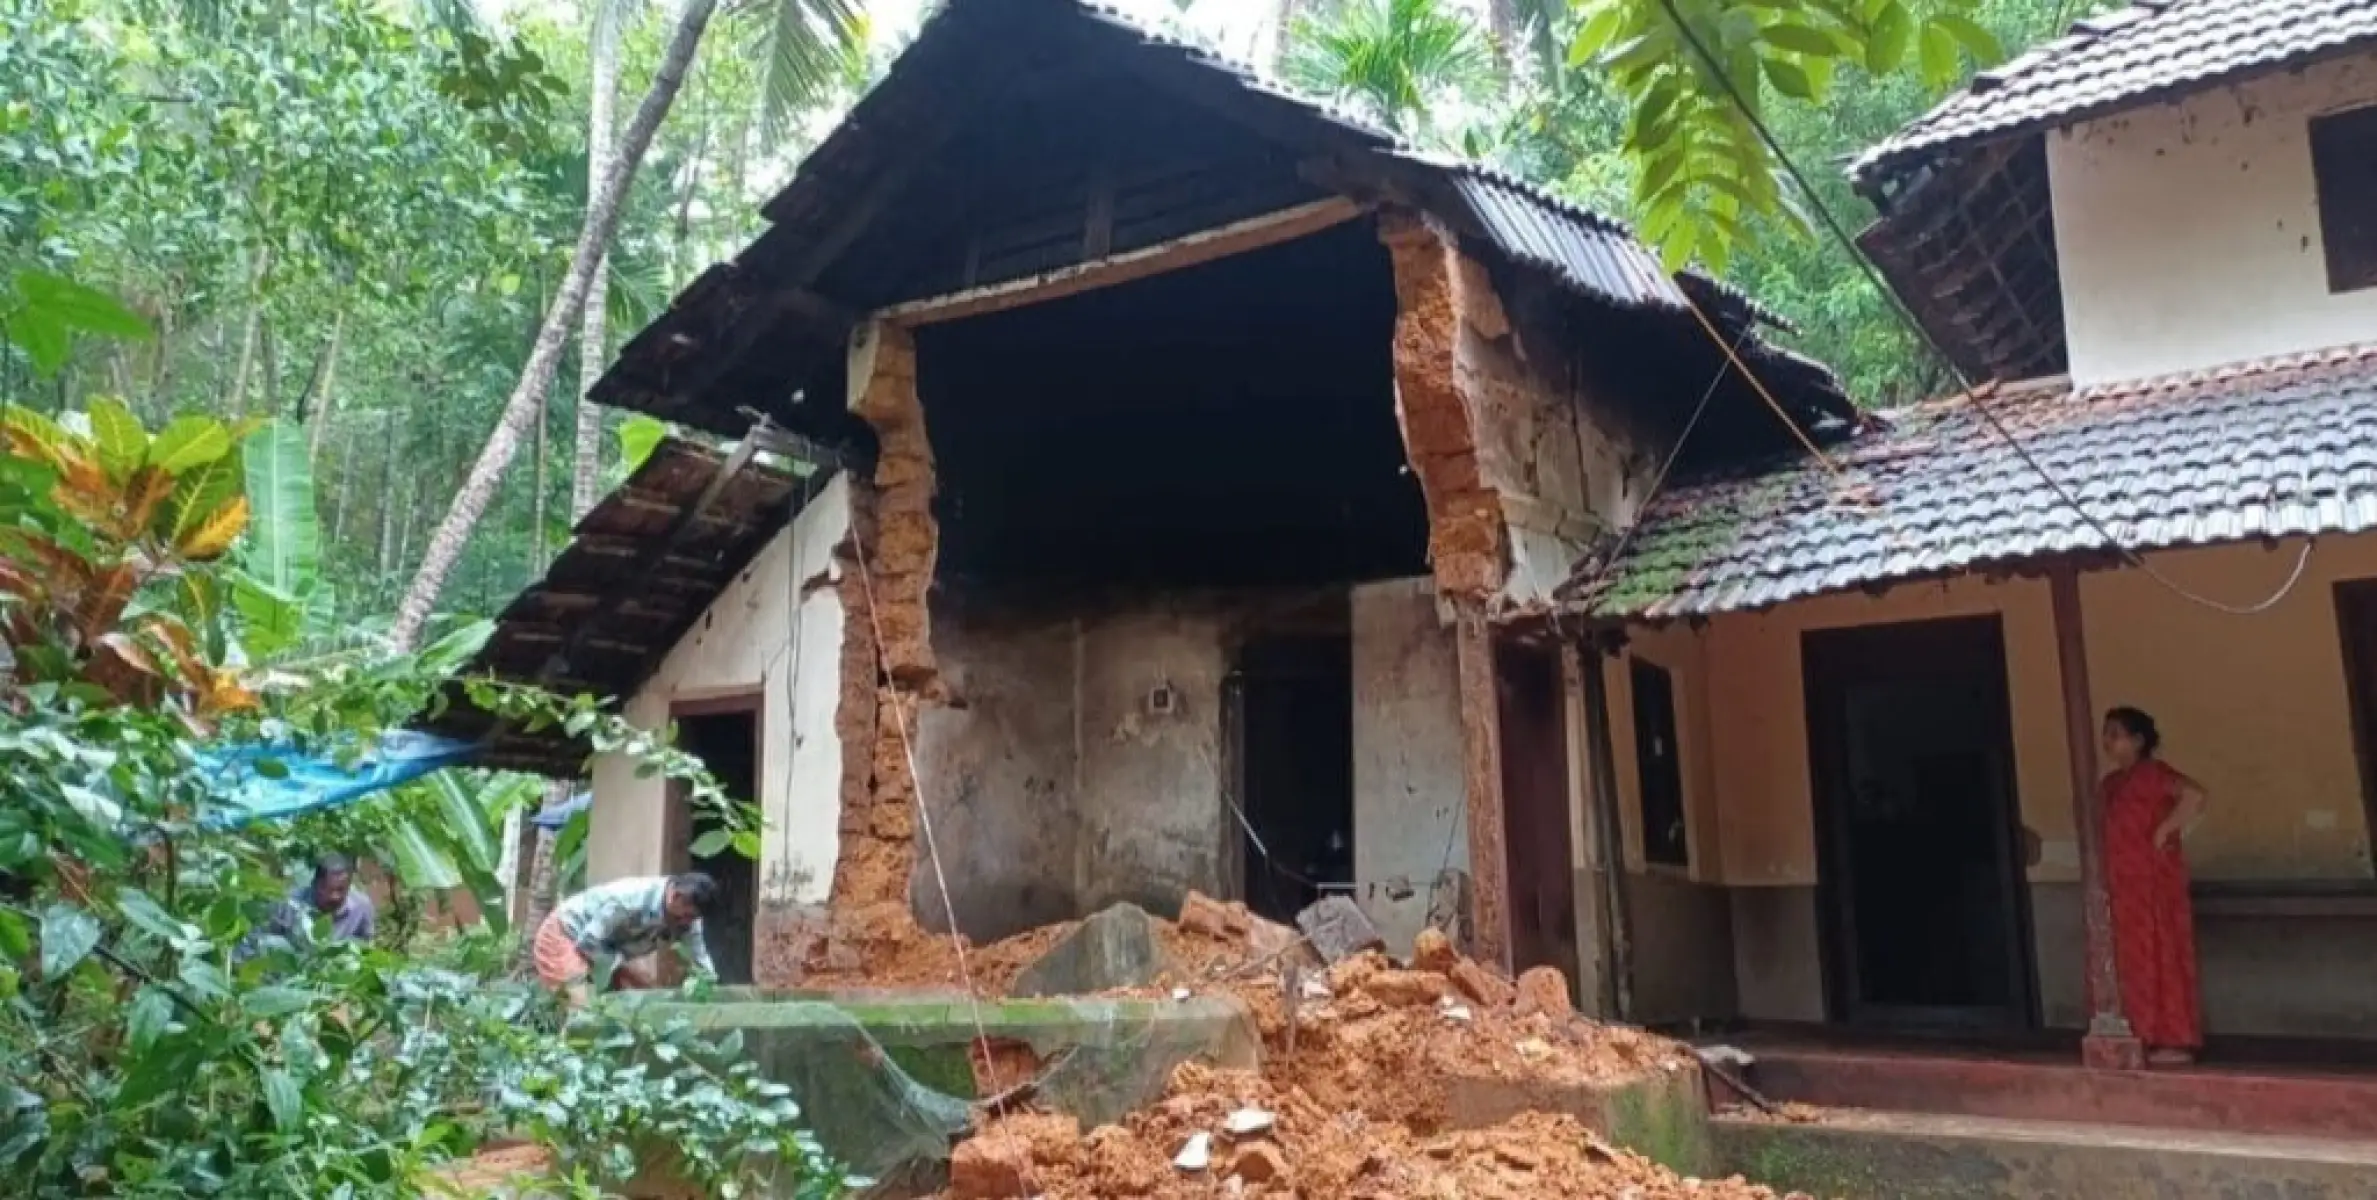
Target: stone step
1860, 1155
2216, 1098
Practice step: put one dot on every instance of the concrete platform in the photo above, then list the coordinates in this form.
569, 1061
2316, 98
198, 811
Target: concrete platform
2231, 1099
1910, 1156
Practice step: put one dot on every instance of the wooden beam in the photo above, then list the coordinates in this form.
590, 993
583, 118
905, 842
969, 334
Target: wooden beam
1481, 790
1203, 246
2110, 1043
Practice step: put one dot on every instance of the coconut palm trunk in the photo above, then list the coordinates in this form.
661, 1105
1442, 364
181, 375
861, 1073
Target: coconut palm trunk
603, 86
544, 359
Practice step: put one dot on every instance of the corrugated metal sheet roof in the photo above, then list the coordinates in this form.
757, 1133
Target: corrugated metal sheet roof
2257, 450
1587, 254
2149, 50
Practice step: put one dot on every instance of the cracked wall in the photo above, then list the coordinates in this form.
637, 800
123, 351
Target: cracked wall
1521, 468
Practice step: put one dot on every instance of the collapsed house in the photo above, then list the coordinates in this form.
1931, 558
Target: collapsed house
1189, 472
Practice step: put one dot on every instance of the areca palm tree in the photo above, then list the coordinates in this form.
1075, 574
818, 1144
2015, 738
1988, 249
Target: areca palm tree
1393, 60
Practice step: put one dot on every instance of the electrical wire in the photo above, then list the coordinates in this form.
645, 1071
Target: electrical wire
924, 811
1997, 426
1617, 552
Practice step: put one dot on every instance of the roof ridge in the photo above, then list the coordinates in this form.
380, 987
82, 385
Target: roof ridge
2347, 354
2116, 60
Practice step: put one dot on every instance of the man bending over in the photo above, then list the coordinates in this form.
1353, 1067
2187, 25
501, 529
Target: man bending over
622, 922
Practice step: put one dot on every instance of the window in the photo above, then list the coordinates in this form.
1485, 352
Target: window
1659, 767
2344, 168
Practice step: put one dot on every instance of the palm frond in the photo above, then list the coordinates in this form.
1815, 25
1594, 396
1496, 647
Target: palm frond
803, 50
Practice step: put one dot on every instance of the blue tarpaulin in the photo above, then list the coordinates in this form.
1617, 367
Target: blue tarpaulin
554, 816
246, 791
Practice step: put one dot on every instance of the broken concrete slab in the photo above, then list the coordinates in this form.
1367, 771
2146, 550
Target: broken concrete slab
884, 1077
1115, 948
1338, 930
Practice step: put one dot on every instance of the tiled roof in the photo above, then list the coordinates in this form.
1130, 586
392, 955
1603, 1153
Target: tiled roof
2256, 450
2149, 50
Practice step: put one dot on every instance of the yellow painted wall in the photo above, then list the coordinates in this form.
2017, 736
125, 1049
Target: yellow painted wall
2254, 707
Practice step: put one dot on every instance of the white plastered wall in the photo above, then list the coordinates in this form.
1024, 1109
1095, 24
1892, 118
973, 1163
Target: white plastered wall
2189, 233
753, 637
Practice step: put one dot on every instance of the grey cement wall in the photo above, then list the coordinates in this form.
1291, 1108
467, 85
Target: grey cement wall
1410, 821
1055, 788
1775, 953
1682, 951
998, 771
1152, 820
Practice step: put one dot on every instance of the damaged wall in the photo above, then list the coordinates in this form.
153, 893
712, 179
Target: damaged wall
1408, 816
1056, 785
751, 639
1522, 469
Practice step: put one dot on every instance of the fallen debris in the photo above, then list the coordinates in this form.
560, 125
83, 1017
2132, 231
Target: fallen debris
1116, 948
1197, 1154
1317, 1150
1338, 929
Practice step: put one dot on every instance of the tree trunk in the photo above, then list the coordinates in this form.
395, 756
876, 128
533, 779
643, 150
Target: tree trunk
161, 378
1273, 57
586, 461
318, 394
238, 400
543, 886
536, 498
602, 220
1502, 27
346, 481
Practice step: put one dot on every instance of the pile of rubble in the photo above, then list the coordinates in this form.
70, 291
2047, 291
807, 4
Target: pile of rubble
1235, 1133
1379, 1079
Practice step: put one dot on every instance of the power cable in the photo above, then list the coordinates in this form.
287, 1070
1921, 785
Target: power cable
1989, 417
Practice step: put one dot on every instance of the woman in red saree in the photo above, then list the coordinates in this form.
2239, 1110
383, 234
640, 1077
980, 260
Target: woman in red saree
2148, 808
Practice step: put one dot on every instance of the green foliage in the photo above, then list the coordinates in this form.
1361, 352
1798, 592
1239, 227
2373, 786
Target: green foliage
1398, 62
280, 586
1696, 75
40, 313
157, 1038
639, 436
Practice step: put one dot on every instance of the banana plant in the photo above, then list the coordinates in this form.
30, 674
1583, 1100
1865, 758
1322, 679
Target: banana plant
446, 832
278, 590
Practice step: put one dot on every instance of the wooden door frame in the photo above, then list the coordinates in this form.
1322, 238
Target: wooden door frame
677, 820
1835, 906
1542, 862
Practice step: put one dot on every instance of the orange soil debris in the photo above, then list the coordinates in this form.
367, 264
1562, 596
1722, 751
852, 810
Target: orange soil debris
1314, 1149
1362, 1079
893, 951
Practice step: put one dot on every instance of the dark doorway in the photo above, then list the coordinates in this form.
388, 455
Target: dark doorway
725, 736
2356, 620
1294, 726
1531, 701
1918, 855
